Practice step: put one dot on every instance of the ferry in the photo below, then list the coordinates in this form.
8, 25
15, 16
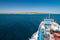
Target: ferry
48, 30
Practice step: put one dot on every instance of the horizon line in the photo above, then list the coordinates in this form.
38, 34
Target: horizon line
29, 12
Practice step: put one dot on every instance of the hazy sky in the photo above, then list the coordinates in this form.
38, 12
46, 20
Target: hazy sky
29, 5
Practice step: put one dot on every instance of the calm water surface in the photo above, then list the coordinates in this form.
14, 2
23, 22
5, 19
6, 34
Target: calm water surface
21, 26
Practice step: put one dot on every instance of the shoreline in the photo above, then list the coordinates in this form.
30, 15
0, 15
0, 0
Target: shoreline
28, 13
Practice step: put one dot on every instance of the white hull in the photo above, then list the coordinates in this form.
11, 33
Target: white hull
54, 26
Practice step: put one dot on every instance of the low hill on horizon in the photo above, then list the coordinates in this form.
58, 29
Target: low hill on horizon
27, 13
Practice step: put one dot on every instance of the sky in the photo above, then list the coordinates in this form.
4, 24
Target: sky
30, 6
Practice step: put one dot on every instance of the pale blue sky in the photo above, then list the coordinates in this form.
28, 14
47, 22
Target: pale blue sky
29, 5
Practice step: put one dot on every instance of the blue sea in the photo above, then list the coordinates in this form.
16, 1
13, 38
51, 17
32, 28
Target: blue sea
21, 26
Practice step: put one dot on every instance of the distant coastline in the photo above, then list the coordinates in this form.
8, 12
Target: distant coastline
28, 13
